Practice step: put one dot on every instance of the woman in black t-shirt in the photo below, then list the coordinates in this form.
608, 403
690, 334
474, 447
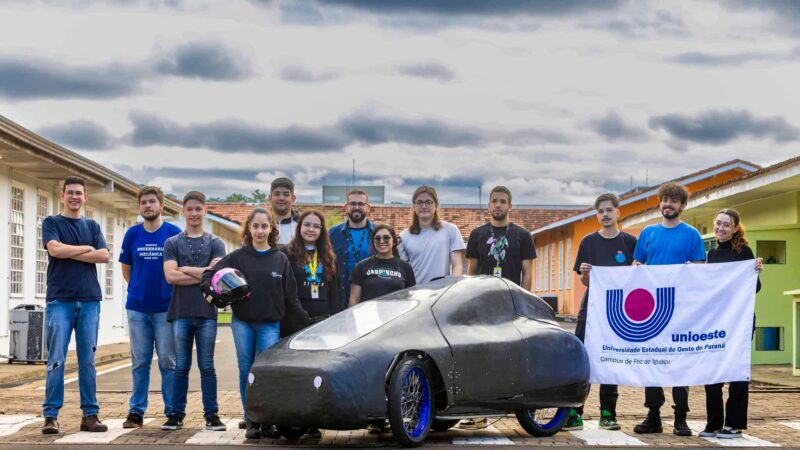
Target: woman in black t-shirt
314, 267
731, 246
382, 273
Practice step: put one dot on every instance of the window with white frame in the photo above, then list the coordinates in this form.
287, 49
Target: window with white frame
553, 266
17, 245
42, 211
109, 291
561, 264
568, 264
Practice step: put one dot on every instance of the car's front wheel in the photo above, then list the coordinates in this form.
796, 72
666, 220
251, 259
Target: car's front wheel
543, 422
410, 402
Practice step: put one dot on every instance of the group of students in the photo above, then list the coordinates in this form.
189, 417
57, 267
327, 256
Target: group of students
299, 272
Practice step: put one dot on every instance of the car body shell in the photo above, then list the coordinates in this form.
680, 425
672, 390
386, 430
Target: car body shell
489, 346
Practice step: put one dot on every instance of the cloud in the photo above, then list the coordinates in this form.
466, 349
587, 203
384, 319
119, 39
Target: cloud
479, 7
35, 78
431, 70
229, 136
703, 59
30, 78
300, 74
719, 127
359, 128
614, 128
660, 23
83, 134
206, 60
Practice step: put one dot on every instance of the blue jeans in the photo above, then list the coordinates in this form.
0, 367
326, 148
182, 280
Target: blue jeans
148, 331
251, 339
61, 318
203, 333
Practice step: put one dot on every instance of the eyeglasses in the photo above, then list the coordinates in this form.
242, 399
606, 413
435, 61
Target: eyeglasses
356, 204
423, 202
316, 226
383, 238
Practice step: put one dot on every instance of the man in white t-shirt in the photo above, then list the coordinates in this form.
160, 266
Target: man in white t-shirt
433, 247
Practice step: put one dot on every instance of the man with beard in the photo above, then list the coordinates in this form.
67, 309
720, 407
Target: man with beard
75, 245
281, 200
606, 247
670, 242
351, 240
142, 262
501, 248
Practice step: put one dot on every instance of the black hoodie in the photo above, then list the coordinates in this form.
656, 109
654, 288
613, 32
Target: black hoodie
273, 292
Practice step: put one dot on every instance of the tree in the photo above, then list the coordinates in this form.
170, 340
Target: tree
258, 196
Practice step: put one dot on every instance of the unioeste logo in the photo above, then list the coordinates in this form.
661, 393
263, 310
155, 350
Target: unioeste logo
639, 317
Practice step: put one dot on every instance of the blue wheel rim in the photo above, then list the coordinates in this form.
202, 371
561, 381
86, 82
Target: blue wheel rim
415, 402
552, 422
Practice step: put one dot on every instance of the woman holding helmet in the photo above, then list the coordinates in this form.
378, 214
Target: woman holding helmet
271, 295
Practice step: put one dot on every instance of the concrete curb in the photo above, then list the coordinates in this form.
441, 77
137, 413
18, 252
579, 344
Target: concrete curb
40, 370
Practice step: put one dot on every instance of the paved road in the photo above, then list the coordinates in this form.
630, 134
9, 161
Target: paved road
118, 375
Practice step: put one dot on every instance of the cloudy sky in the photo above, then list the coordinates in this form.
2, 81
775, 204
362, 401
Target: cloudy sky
557, 99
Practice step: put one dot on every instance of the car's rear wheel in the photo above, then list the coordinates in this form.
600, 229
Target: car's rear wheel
410, 402
543, 422
443, 424
291, 433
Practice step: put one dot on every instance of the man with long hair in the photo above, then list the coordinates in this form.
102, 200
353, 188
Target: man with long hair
432, 246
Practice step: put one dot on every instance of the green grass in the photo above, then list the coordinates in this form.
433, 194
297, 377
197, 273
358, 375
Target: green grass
224, 317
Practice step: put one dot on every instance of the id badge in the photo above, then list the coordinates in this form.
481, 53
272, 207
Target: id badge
498, 272
315, 291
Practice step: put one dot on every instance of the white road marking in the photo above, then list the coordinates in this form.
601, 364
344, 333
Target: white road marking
593, 435
795, 425
11, 424
232, 436
744, 441
115, 430
490, 436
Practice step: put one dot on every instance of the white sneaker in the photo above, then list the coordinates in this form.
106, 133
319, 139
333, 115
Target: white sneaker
708, 433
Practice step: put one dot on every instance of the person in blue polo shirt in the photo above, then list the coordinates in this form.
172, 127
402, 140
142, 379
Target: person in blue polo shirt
75, 246
351, 240
670, 242
142, 262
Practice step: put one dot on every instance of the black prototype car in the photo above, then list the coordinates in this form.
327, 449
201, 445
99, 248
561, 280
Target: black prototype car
424, 357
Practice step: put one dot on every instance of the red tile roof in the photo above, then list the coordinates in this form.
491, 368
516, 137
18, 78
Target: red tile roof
398, 216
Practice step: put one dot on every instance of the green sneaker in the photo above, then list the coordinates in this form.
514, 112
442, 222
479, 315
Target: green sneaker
608, 421
574, 422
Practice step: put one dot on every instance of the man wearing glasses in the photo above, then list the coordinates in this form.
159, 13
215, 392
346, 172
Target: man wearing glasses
351, 240
433, 247
75, 245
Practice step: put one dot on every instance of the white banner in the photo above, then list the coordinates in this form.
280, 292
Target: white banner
674, 325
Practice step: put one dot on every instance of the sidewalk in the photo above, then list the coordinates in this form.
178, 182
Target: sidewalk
17, 372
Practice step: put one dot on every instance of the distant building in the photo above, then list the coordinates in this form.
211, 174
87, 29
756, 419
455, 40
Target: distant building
338, 194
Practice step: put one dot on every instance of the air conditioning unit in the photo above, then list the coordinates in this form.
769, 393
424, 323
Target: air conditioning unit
28, 339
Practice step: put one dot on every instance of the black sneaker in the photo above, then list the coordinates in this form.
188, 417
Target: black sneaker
214, 424
650, 424
270, 432
173, 423
729, 433
253, 430
50, 426
133, 421
242, 424
680, 427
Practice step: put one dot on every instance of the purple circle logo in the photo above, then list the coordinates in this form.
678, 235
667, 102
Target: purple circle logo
639, 305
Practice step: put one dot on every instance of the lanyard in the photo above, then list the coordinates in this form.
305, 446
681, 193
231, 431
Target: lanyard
195, 256
311, 268
356, 251
498, 249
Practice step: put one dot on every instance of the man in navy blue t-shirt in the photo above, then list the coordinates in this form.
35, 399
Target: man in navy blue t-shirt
75, 245
142, 261
670, 242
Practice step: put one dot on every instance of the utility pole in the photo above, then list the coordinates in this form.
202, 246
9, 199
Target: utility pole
480, 196
354, 174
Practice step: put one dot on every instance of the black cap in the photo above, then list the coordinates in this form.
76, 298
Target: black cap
282, 182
